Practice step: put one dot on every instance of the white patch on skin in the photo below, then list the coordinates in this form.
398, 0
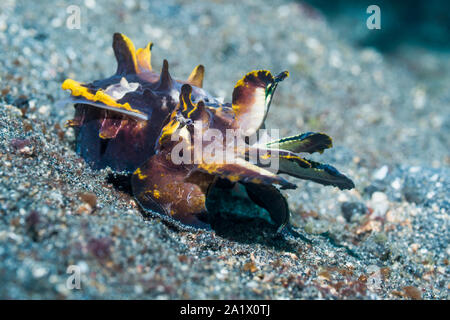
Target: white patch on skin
201, 94
164, 104
175, 94
119, 90
251, 121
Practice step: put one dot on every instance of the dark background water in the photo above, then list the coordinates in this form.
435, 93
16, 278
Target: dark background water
414, 22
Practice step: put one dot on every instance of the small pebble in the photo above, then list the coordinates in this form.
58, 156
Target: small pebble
349, 209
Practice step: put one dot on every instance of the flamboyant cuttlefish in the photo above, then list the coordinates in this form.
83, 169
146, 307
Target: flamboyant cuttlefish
137, 119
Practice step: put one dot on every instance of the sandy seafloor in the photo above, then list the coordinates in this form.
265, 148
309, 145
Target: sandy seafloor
386, 239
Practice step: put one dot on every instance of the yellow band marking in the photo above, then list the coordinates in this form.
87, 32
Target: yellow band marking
132, 50
100, 96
